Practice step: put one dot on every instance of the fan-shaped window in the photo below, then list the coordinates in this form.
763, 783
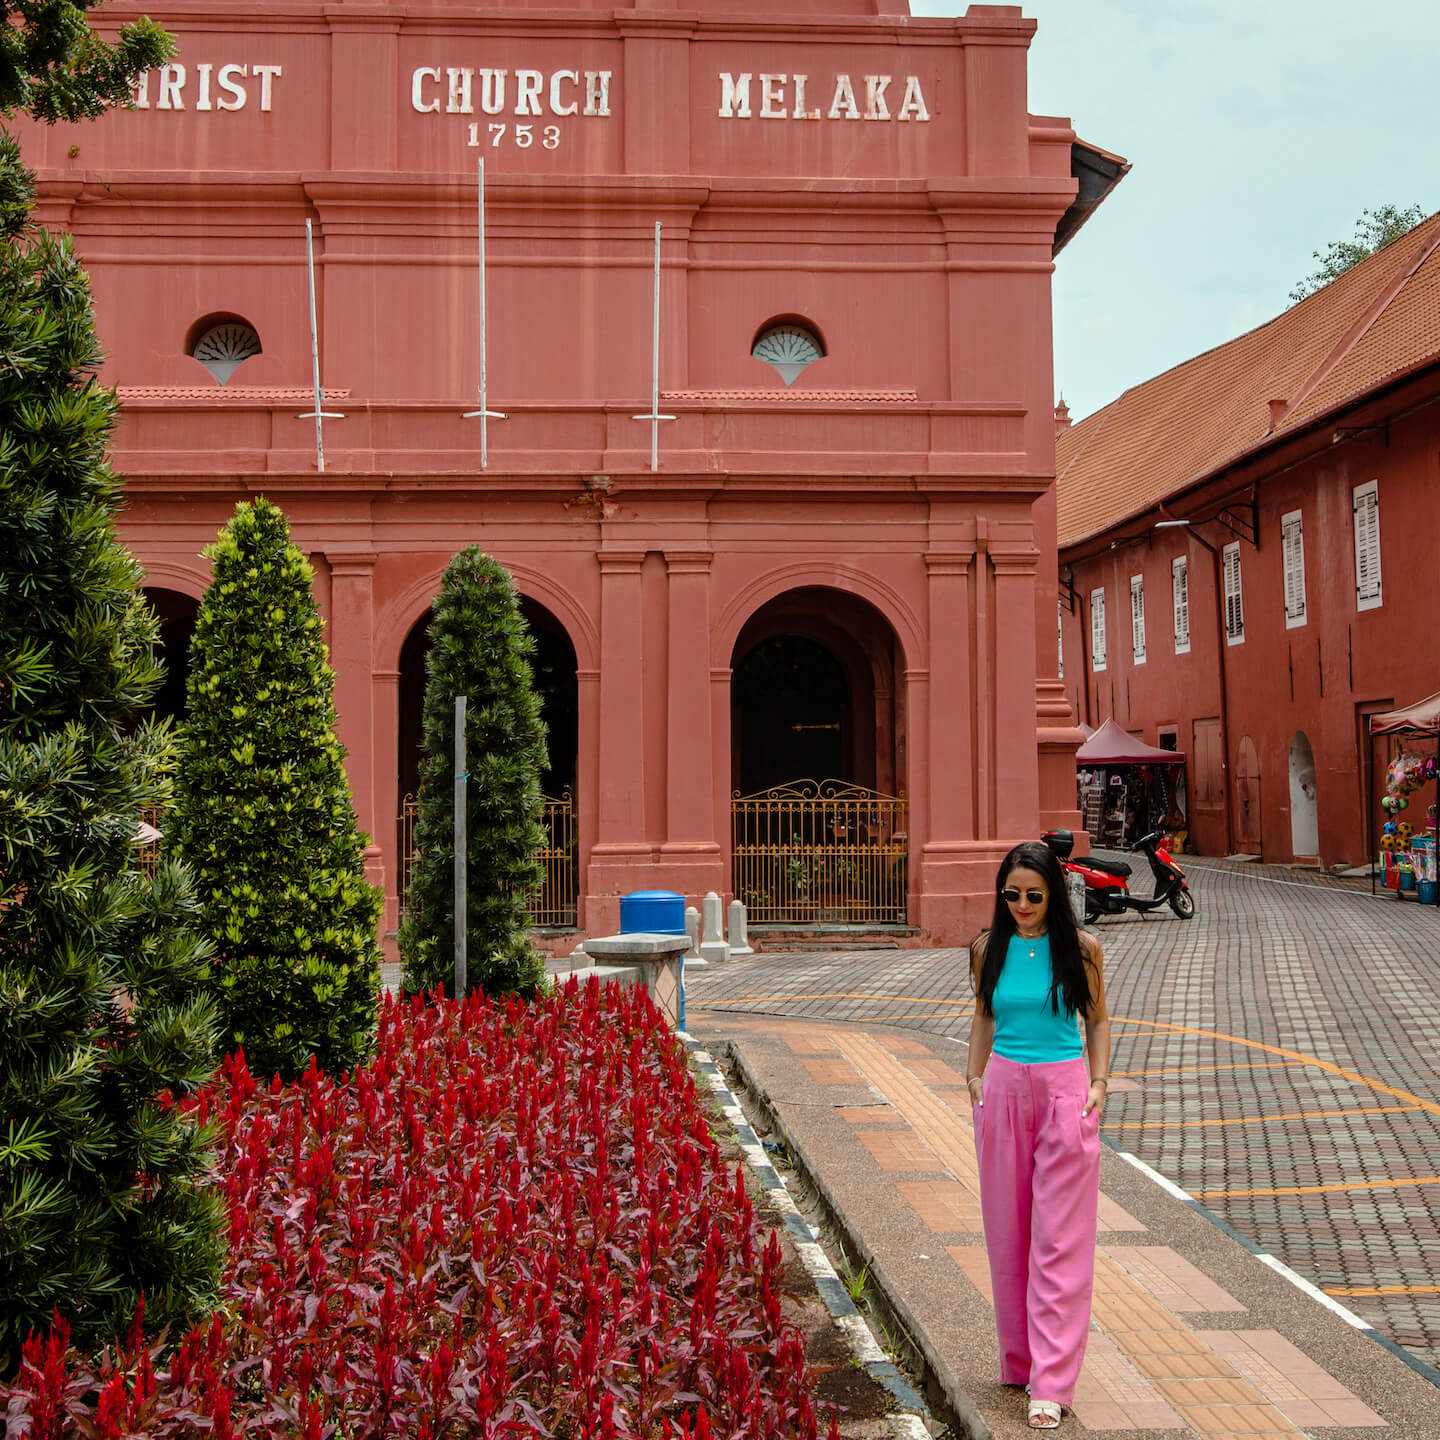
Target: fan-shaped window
788, 346
222, 348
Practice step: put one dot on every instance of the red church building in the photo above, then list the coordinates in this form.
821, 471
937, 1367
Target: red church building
782, 519
1247, 548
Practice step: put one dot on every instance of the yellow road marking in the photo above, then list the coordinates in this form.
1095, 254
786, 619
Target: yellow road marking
1256, 1119
1322, 1189
1188, 1069
838, 995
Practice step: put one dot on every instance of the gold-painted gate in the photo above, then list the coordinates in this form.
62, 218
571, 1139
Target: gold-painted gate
554, 906
820, 853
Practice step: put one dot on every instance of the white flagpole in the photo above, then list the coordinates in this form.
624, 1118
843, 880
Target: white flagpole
484, 413
319, 415
655, 417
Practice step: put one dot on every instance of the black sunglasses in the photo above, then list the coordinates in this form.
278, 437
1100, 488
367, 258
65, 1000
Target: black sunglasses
1012, 896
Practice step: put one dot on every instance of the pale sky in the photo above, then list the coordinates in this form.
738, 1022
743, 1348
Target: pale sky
1258, 130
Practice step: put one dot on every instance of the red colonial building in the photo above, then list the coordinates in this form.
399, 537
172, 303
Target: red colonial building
783, 519
1247, 558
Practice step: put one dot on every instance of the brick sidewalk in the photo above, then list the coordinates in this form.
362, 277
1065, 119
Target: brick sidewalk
1192, 1334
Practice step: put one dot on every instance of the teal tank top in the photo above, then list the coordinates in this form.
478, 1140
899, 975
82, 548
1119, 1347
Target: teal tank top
1027, 1030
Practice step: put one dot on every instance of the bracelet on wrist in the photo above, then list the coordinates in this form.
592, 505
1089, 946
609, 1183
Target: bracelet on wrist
971, 1079
1100, 1080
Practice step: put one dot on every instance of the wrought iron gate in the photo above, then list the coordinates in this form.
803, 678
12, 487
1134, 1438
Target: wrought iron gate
555, 903
820, 853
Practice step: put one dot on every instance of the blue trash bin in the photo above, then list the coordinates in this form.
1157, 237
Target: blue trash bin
652, 912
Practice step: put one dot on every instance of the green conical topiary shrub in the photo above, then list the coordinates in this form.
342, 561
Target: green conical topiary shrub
264, 817
479, 647
104, 1005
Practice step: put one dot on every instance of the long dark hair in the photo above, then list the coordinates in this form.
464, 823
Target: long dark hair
1069, 979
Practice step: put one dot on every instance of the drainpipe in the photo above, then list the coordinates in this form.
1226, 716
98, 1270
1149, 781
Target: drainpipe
1167, 524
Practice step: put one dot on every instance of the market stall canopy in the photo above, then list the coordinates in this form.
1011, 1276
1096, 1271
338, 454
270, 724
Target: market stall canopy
1110, 745
1422, 718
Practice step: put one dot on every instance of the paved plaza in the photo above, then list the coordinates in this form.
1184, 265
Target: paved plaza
1274, 1058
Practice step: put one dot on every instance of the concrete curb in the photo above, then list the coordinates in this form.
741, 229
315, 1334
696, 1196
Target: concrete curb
960, 1412
907, 1422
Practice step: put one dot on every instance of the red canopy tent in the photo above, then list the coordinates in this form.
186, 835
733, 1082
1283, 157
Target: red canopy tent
1421, 718
1110, 745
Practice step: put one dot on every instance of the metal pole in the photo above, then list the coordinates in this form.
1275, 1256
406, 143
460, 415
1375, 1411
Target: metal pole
655, 362
655, 417
461, 831
314, 348
484, 414
319, 414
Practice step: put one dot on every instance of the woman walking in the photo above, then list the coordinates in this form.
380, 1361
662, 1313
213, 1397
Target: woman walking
1037, 1123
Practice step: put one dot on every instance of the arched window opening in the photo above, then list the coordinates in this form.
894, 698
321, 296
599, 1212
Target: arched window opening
222, 344
788, 346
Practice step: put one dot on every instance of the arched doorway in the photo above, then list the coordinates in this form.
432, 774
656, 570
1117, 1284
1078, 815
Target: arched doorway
819, 818
1247, 798
177, 612
1304, 808
554, 667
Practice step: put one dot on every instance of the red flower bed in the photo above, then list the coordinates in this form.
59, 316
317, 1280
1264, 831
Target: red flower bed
513, 1222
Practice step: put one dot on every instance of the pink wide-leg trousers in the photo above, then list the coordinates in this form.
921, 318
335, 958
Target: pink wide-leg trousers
1039, 1190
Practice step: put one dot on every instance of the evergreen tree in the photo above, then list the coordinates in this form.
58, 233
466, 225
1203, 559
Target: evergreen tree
103, 973
264, 817
480, 647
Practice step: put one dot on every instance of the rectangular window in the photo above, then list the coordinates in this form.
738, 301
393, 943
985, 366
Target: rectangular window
1097, 629
1292, 545
1060, 637
1234, 602
1137, 617
1180, 597
1365, 500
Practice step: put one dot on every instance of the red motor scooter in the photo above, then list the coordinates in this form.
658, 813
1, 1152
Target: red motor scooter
1107, 882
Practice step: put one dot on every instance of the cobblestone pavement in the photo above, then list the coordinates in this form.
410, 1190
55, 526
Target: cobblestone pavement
1277, 1057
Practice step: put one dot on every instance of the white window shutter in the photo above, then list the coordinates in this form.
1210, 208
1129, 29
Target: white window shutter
1234, 602
1180, 597
1365, 500
1097, 629
1137, 618
1292, 539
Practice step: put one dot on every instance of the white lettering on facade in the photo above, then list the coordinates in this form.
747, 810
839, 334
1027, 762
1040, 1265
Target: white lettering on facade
172, 83
536, 92
226, 78
267, 73
492, 91
785, 95
527, 92
597, 92
875, 107
228, 94
772, 97
913, 105
558, 106
735, 95
459, 101
800, 112
843, 105
417, 81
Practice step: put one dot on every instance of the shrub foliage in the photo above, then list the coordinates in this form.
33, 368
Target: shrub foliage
264, 816
103, 1004
480, 647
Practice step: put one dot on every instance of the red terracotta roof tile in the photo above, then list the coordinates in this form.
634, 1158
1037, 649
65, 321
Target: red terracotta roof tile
1376, 320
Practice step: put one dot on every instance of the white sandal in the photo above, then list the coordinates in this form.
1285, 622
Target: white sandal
1044, 1415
